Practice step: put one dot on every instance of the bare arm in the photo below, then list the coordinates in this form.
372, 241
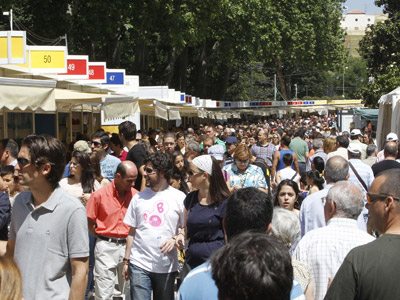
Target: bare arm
80, 269
92, 227
143, 185
129, 244
296, 163
277, 156
181, 237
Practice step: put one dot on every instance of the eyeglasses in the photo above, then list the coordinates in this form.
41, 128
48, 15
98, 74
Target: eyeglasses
372, 197
149, 170
191, 172
242, 161
96, 144
72, 164
23, 161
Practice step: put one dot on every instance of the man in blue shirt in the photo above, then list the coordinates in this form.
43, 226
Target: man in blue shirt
247, 209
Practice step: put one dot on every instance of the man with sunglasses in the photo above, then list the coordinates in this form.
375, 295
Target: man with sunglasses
48, 232
108, 163
371, 271
154, 216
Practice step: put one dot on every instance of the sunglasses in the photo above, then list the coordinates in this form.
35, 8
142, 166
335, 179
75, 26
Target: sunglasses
72, 164
96, 144
372, 197
149, 170
191, 173
242, 161
23, 161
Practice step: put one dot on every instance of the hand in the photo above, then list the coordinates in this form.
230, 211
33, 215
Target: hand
236, 187
167, 246
180, 241
125, 272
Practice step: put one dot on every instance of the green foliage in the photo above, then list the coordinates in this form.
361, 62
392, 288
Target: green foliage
381, 49
211, 49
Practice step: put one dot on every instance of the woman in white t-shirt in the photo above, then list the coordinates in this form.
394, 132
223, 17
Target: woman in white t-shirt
81, 182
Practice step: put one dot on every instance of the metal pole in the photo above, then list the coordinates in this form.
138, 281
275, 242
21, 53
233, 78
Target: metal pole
274, 87
11, 20
295, 91
251, 83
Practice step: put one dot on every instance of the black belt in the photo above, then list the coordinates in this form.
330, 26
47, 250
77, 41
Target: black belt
110, 239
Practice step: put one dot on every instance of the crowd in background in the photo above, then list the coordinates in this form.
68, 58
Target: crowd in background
160, 206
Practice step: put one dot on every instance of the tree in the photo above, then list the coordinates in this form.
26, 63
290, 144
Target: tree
380, 48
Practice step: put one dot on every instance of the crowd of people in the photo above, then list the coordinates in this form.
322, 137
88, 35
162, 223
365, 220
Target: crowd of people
275, 209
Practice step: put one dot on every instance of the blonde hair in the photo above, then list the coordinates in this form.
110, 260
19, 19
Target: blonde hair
242, 152
329, 145
10, 280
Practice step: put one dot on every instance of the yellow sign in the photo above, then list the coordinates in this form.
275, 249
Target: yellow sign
17, 47
3, 47
47, 59
12, 47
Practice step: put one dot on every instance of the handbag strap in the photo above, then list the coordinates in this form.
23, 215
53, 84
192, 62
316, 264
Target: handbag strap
358, 176
294, 176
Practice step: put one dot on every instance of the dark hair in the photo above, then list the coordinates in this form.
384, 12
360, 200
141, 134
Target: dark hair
319, 163
290, 183
343, 141
248, 209
300, 133
115, 140
96, 167
12, 146
169, 134
253, 266
315, 175
103, 136
218, 189
286, 140
128, 129
47, 149
161, 161
287, 159
88, 175
5, 170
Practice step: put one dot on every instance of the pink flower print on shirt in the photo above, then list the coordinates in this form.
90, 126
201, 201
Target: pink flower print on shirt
156, 217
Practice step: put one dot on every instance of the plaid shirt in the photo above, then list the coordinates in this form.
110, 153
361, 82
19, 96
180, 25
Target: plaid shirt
264, 152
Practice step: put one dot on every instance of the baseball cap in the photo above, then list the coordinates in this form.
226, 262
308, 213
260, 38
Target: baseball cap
355, 132
217, 151
231, 140
82, 146
354, 148
392, 137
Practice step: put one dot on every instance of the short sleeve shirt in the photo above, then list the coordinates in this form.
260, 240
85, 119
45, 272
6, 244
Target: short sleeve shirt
109, 166
155, 215
46, 238
137, 155
252, 177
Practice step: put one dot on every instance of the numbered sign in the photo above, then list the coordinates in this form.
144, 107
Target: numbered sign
46, 59
115, 76
77, 67
12, 47
97, 72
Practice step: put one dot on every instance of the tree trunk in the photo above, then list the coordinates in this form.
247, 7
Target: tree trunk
281, 79
225, 82
183, 62
169, 70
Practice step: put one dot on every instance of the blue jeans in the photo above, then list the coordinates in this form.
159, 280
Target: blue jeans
92, 243
142, 282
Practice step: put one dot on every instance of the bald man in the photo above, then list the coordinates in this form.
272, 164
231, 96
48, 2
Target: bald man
106, 210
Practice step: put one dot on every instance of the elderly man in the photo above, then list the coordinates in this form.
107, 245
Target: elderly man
319, 152
106, 210
324, 249
371, 155
370, 271
312, 209
356, 139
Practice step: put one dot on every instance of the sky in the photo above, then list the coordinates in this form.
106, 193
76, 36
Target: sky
367, 6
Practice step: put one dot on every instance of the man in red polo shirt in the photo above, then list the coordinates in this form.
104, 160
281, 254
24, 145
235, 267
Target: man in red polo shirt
106, 210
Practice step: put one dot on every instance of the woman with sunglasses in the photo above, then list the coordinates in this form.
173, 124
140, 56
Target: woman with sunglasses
81, 183
242, 173
276, 141
204, 211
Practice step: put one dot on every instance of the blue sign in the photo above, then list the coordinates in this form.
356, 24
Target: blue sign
183, 97
115, 78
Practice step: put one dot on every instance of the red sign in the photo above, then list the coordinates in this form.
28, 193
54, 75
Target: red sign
97, 72
76, 67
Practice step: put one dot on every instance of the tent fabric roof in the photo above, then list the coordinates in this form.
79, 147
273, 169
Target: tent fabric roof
368, 114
